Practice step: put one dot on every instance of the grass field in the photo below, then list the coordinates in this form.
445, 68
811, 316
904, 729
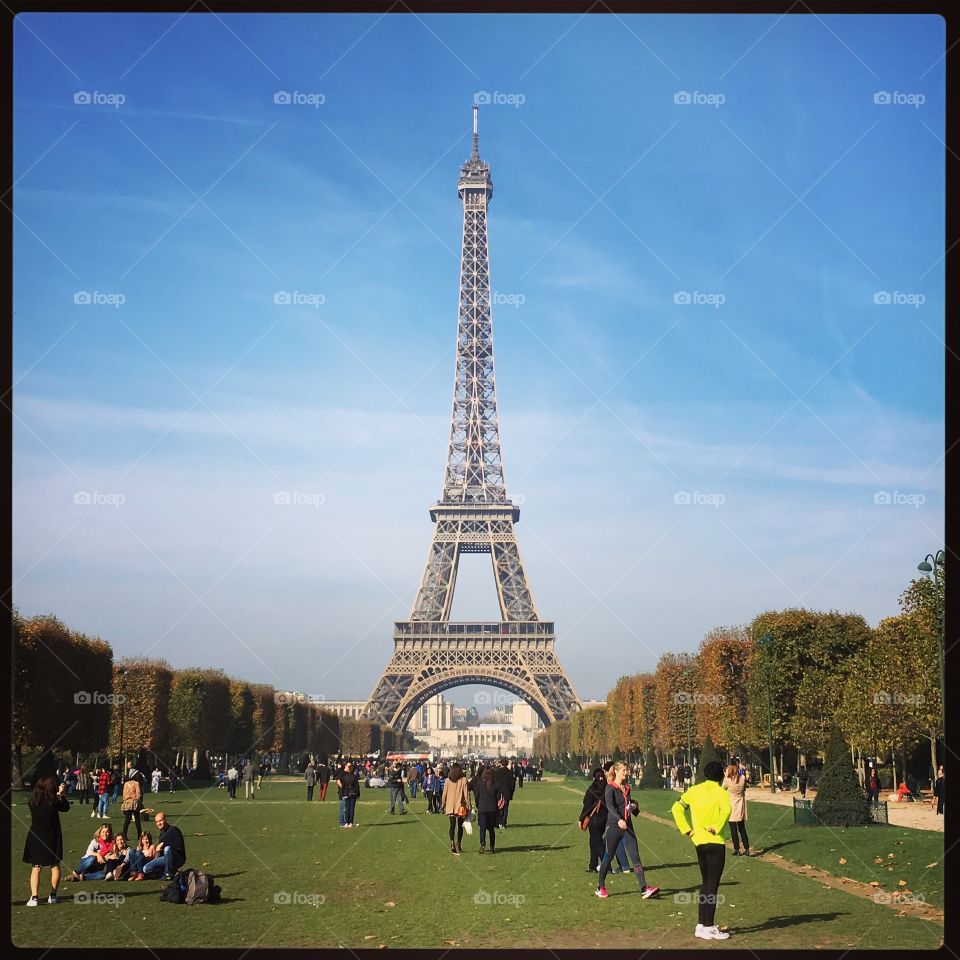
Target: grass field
290, 877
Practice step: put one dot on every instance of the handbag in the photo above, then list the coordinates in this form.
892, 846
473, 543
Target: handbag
585, 822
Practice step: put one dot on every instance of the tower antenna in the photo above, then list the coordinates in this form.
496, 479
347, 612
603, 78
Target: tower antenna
476, 136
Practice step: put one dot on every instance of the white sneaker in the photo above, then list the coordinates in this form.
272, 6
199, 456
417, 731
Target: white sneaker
93, 813
33, 902
699, 932
715, 933
52, 898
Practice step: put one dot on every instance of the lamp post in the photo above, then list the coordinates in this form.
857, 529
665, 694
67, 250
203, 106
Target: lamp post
765, 641
123, 700
934, 564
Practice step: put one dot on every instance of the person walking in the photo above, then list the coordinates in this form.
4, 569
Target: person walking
518, 773
595, 812
456, 805
439, 784
413, 780
155, 776
802, 777
708, 806
44, 843
873, 786
623, 864
323, 776
506, 782
83, 786
233, 778
429, 787
116, 782
487, 794
310, 776
736, 786
249, 778
620, 810
395, 784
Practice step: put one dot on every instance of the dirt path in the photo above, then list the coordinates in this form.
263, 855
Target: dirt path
855, 887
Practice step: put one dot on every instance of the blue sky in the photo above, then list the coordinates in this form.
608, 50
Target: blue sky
797, 410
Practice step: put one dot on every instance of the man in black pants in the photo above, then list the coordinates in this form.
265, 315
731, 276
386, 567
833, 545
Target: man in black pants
708, 805
504, 780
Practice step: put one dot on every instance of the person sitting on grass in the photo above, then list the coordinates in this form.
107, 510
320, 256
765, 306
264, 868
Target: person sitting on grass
98, 852
115, 864
171, 850
141, 855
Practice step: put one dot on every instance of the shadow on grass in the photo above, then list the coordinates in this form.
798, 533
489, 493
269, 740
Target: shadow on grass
532, 847
774, 846
794, 920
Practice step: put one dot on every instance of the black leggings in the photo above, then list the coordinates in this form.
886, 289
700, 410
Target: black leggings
488, 822
595, 831
611, 839
741, 826
711, 857
456, 824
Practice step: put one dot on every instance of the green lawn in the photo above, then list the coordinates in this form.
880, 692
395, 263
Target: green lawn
290, 877
770, 827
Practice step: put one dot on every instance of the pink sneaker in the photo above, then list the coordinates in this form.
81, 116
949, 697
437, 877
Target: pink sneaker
600, 892
648, 892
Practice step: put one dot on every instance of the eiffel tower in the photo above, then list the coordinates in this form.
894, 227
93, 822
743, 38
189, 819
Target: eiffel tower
432, 652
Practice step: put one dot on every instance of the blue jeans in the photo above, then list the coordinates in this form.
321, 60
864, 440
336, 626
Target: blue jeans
343, 811
413, 789
397, 796
103, 804
168, 863
85, 864
137, 861
351, 803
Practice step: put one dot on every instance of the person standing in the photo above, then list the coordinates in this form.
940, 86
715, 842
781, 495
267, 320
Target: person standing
506, 783
518, 773
413, 780
456, 805
708, 805
395, 784
429, 786
132, 803
83, 786
802, 777
620, 810
736, 786
487, 793
439, 784
233, 778
155, 776
310, 778
594, 807
323, 776
249, 778
937, 799
873, 786
116, 781
104, 781
348, 783
44, 843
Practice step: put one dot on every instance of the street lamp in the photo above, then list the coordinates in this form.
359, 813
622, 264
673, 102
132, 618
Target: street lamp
765, 641
123, 700
934, 564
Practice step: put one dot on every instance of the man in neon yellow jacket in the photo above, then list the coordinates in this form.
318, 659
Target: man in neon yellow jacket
708, 806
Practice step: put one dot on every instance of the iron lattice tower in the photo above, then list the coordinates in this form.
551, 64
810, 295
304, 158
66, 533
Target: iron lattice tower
473, 515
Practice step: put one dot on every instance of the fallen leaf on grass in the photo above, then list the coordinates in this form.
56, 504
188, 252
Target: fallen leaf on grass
890, 855
929, 865
450, 943
842, 860
901, 883
878, 860
369, 936
390, 903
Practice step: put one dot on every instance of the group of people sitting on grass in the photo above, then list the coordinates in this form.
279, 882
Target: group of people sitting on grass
110, 857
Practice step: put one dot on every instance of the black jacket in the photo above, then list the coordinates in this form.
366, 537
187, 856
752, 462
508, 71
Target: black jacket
504, 778
487, 798
591, 798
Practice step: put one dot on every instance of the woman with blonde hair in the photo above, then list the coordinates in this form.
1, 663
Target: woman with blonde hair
620, 810
735, 784
456, 805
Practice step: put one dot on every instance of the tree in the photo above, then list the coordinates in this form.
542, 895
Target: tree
651, 779
840, 800
723, 663
708, 753
241, 718
145, 686
675, 692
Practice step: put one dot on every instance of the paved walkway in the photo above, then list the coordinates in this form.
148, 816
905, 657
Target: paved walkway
902, 814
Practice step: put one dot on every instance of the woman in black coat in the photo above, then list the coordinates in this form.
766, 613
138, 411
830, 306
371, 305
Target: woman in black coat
488, 793
594, 808
44, 845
